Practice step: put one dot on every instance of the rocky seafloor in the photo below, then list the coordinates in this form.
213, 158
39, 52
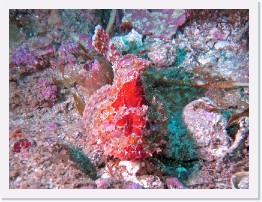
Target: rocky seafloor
196, 92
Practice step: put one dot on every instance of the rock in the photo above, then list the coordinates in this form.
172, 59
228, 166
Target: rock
208, 129
160, 23
240, 180
162, 54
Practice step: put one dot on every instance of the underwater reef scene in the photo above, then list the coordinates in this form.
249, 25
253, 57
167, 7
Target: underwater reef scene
128, 99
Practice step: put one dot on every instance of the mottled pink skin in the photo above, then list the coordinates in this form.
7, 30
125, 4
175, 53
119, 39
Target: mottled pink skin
95, 65
119, 116
153, 18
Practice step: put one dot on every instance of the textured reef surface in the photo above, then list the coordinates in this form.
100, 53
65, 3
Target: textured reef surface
129, 99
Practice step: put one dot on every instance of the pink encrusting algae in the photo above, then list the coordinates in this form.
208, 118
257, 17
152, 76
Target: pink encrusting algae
116, 115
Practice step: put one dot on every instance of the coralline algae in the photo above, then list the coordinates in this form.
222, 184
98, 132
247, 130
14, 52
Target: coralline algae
32, 55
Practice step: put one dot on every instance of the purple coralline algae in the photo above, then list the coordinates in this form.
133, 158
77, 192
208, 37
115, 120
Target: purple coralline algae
158, 23
43, 93
70, 50
24, 56
48, 90
34, 54
66, 52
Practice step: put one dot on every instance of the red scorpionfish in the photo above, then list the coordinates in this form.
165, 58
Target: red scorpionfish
116, 115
